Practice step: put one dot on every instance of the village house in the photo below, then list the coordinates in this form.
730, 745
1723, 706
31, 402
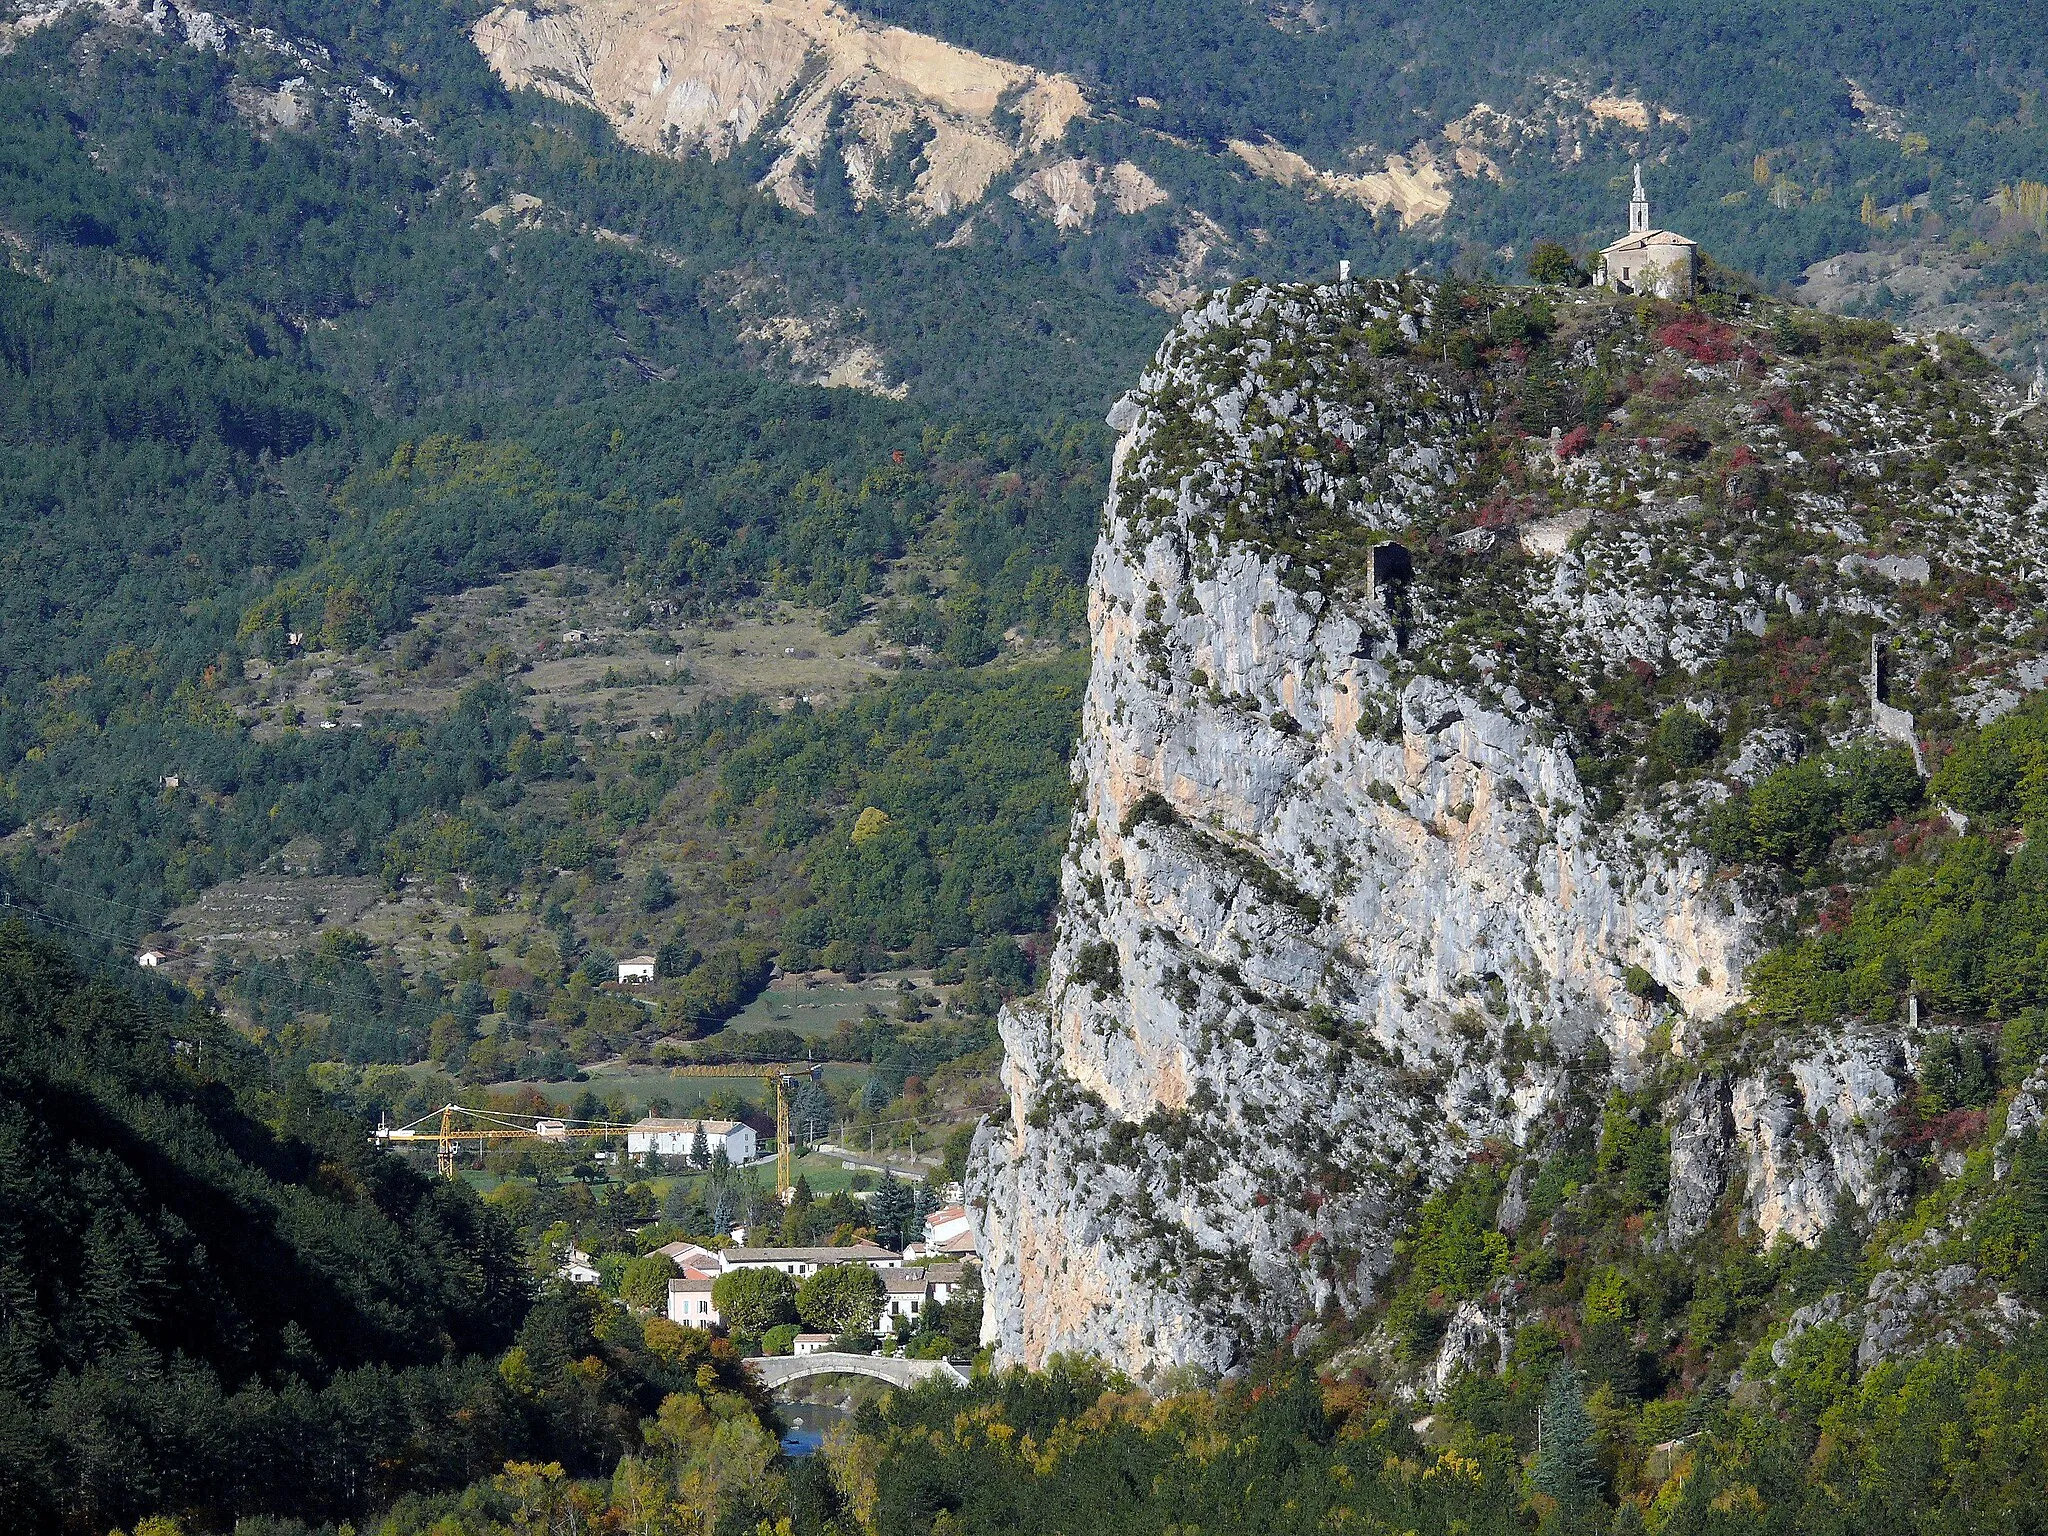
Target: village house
1648, 261
150, 959
690, 1302
688, 1256
904, 1293
947, 1233
636, 969
812, 1343
907, 1292
801, 1262
577, 1268
678, 1138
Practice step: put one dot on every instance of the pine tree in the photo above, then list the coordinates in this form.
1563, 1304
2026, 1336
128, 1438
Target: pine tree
1566, 1467
700, 1148
889, 1209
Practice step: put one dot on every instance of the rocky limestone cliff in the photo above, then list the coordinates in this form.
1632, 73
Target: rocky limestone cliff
1341, 906
707, 75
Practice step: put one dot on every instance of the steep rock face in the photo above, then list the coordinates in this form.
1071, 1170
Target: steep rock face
1340, 906
1318, 907
1702, 1155
1799, 1127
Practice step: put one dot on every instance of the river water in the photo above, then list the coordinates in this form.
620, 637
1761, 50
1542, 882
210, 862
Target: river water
808, 1423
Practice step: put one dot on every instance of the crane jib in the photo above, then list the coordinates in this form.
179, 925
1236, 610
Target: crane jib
488, 1126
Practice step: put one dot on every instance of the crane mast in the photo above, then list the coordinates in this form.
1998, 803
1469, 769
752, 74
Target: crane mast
783, 1075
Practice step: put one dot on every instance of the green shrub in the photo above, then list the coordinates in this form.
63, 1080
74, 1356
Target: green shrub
2024, 1044
1097, 968
2001, 771
1553, 264
840, 1298
1957, 1072
1792, 817
1683, 740
644, 1282
1965, 930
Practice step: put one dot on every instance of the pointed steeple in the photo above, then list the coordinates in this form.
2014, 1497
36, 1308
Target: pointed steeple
1639, 206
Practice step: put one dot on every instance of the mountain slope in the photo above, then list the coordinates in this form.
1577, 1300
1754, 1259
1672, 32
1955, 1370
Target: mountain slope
172, 1263
1277, 140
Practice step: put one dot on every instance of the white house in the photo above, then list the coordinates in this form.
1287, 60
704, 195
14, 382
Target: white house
1646, 260
904, 1293
577, 1268
150, 959
801, 1262
690, 1302
944, 1279
812, 1343
947, 1235
677, 1138
948, 1231
637, 968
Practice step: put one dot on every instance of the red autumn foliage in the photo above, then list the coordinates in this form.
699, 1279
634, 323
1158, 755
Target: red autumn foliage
1834, 917
1500, 511
1574, 442
1907, 843
1955, 1128
1699, 338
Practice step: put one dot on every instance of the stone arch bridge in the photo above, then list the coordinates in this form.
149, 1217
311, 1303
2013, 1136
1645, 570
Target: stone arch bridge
780, 1370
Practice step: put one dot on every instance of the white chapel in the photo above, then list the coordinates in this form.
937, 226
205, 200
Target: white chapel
1646, 260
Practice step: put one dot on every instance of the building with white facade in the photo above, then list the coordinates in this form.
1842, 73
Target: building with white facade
947, 1235
905, 1293
802, 1262
812, 1343
1648, 261
908, 1292
636, 968
676, 1138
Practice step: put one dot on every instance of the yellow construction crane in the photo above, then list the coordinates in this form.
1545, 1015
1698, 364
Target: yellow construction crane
782, 1075
484, 1126
459, 1124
